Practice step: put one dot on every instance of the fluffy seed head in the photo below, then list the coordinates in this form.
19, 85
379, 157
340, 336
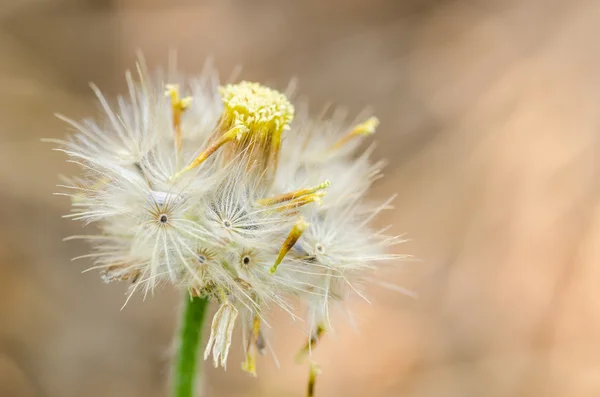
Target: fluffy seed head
198, 189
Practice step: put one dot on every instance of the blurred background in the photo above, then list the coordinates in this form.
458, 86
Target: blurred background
490, 121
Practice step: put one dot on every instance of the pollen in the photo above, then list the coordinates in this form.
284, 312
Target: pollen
262, 110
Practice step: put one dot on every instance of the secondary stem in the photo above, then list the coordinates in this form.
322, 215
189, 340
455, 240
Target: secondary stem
189, 338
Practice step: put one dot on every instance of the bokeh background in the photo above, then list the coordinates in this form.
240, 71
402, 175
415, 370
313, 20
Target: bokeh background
490, 120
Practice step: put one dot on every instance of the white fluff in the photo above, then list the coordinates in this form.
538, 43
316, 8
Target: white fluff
217, 228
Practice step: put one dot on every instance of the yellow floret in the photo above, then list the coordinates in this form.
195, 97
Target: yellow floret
253, 121
261, 110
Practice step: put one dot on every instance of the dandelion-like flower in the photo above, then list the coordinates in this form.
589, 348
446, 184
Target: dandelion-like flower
217, 190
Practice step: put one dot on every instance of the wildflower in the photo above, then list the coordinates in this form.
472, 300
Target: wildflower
219, 192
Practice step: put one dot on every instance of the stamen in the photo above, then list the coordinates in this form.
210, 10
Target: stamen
312, 341
289, 242
365, 128
314, 371
293, 195
236, 133
178, 106
250, 364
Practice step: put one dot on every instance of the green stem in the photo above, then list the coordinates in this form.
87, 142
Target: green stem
189, 338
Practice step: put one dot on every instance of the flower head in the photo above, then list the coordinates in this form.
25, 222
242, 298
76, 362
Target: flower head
195, 186
260, 109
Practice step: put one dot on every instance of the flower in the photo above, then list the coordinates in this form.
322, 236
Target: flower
220, 192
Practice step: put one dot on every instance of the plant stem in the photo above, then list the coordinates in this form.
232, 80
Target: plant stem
189, 337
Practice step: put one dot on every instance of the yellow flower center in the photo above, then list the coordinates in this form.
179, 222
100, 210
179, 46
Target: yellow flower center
253, 121
261, 110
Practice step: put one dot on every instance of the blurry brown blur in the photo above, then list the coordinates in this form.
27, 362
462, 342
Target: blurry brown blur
490, 120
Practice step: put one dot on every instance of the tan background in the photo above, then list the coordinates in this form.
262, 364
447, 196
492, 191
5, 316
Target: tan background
490, 121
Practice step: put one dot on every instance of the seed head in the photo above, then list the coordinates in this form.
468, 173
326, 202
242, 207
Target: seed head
198, 189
